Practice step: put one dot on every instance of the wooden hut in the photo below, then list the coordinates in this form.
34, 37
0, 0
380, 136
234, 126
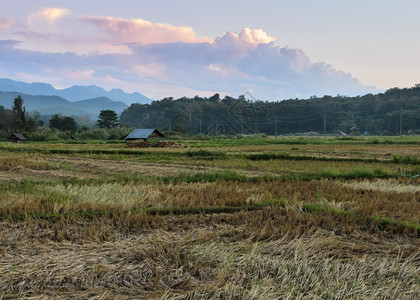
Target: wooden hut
354, 130
16, 137
144, 134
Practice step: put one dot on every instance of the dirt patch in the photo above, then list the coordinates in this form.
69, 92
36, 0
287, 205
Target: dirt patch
158, 144
67, 167
20, 173
103, 167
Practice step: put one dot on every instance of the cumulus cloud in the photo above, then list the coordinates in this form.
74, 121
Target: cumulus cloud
145, 32
50, 15
250, 36
162, 60
6, 23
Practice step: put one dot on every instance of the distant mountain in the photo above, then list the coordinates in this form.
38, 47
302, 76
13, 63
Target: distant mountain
8, 85
74, 93
48, 105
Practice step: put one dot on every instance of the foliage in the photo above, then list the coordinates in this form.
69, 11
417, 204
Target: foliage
375, 114
6, 119
17, 119
115, 133
19, 114
107, 119
63, 123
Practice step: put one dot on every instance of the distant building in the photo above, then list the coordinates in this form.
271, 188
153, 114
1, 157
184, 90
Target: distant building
144, 134
340, 134
354, 130
16, 137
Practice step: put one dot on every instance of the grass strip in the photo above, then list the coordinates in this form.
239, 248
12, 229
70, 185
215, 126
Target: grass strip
384, 223
214, 155
397, 159
286, 156
231, 175
91, 214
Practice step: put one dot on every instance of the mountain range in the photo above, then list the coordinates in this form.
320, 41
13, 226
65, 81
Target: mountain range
76, 100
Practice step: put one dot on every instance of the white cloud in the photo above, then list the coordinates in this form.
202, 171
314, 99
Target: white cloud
50, 15
246, 38
255, 36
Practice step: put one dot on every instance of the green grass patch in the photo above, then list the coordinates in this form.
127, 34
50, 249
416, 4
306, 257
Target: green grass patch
287, 156
235, 176
227, 175
205, 154
92, 214
406, 159
384, 223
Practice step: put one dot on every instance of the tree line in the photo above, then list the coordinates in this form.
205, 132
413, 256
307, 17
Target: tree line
393, 112
385, 113
59, 127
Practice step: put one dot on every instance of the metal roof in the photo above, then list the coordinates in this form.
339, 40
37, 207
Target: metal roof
17, 136
142, 134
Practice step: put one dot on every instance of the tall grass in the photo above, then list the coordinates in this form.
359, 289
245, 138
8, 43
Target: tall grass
406, 159
228, 226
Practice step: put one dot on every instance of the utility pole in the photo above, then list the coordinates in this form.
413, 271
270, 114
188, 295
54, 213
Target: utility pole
275, 132
242, 127
325, 121
401, 121
201, 127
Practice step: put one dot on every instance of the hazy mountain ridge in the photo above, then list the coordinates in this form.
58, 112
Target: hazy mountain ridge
48, 105
72, 94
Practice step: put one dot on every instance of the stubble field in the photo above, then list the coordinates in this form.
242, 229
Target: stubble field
250, 218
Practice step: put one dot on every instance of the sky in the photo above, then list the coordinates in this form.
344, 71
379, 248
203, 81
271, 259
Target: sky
268, 49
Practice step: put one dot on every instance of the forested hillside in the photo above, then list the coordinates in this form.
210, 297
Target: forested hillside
377, 114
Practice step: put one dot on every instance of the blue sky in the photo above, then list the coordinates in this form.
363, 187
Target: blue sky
273, 49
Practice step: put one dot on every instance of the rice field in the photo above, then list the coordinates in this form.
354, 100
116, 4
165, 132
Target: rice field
255, 218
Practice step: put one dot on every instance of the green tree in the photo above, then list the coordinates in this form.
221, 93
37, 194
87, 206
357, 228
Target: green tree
63, 123
180, 122
33, 121
19, 115
6, 119
107, 119
55, 122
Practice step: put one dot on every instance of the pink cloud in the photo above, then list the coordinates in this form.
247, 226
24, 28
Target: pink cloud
51, 15
165, 60
154, 70
6, 23
144, 32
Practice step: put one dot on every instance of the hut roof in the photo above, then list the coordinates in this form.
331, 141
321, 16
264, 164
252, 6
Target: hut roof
17, 137
144, 134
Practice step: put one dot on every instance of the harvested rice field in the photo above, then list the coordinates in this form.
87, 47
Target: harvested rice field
250, 218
